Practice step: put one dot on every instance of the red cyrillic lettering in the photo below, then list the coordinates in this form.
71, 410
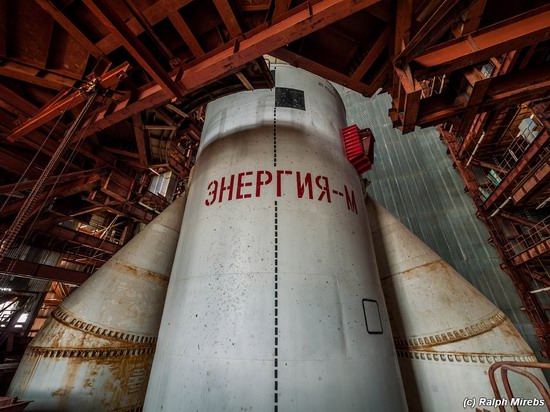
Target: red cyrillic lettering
229, 188
302, 186
212, 191
324, 189
350, 200
260, 182
280, 173
240, 185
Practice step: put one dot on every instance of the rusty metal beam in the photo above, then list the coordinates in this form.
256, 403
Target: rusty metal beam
540, 142
473, 17
35, 76
372, 55
321, 70
154, 14
51, 111
17, 101
11, 162
121, 152
46, 272
114, 23
29, 184
488, 165
228, 16
71, 28
532, 181
281, 6
81, 238
82, 184
536, 251
523, 221
140, 139
518, 32
441, 20
225, 60
186, 34
505, 90
411, 92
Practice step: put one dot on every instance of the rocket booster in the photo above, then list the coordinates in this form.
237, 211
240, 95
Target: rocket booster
95, 351
447, 334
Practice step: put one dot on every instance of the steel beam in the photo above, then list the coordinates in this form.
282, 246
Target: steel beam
186, 34
35, 76
57, 108
534, 180
225, 60
518, 32
82, 184
373, 53
143, 56
540, 142
281, 6
38, 271
81, 238
29, 184
447, 12
140, 139
71, 28
505, 90
228, 16
154, 14
297, 60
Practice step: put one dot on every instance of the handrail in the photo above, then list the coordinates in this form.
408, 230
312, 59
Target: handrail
515, 367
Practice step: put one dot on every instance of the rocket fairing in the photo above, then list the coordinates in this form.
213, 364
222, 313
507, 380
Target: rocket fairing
274, 300
96, 350
447, 334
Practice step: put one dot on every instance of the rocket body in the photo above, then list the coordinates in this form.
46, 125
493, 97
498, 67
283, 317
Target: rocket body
274, 299
95, 352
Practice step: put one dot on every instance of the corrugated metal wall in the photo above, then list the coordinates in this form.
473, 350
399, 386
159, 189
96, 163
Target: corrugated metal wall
414, 179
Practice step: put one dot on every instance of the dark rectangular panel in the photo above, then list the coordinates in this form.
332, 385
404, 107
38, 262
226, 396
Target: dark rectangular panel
293, 98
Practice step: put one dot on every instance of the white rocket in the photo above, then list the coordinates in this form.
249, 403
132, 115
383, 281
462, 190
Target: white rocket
447, 334
274, 302
95, 352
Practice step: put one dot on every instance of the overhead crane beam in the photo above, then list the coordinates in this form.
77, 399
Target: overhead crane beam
518, 32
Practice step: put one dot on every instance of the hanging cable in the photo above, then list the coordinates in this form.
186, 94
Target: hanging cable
19, 251
14, 189
26, 209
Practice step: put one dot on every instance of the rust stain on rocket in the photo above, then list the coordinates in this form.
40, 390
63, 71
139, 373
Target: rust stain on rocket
125, 267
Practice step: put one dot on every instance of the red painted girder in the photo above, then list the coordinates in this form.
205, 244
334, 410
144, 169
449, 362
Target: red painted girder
505, 90
114, 23
540, 142
38, 271
226, 60
82, 238
540, 249
29, 184
51, 111
321, 70
512, 34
